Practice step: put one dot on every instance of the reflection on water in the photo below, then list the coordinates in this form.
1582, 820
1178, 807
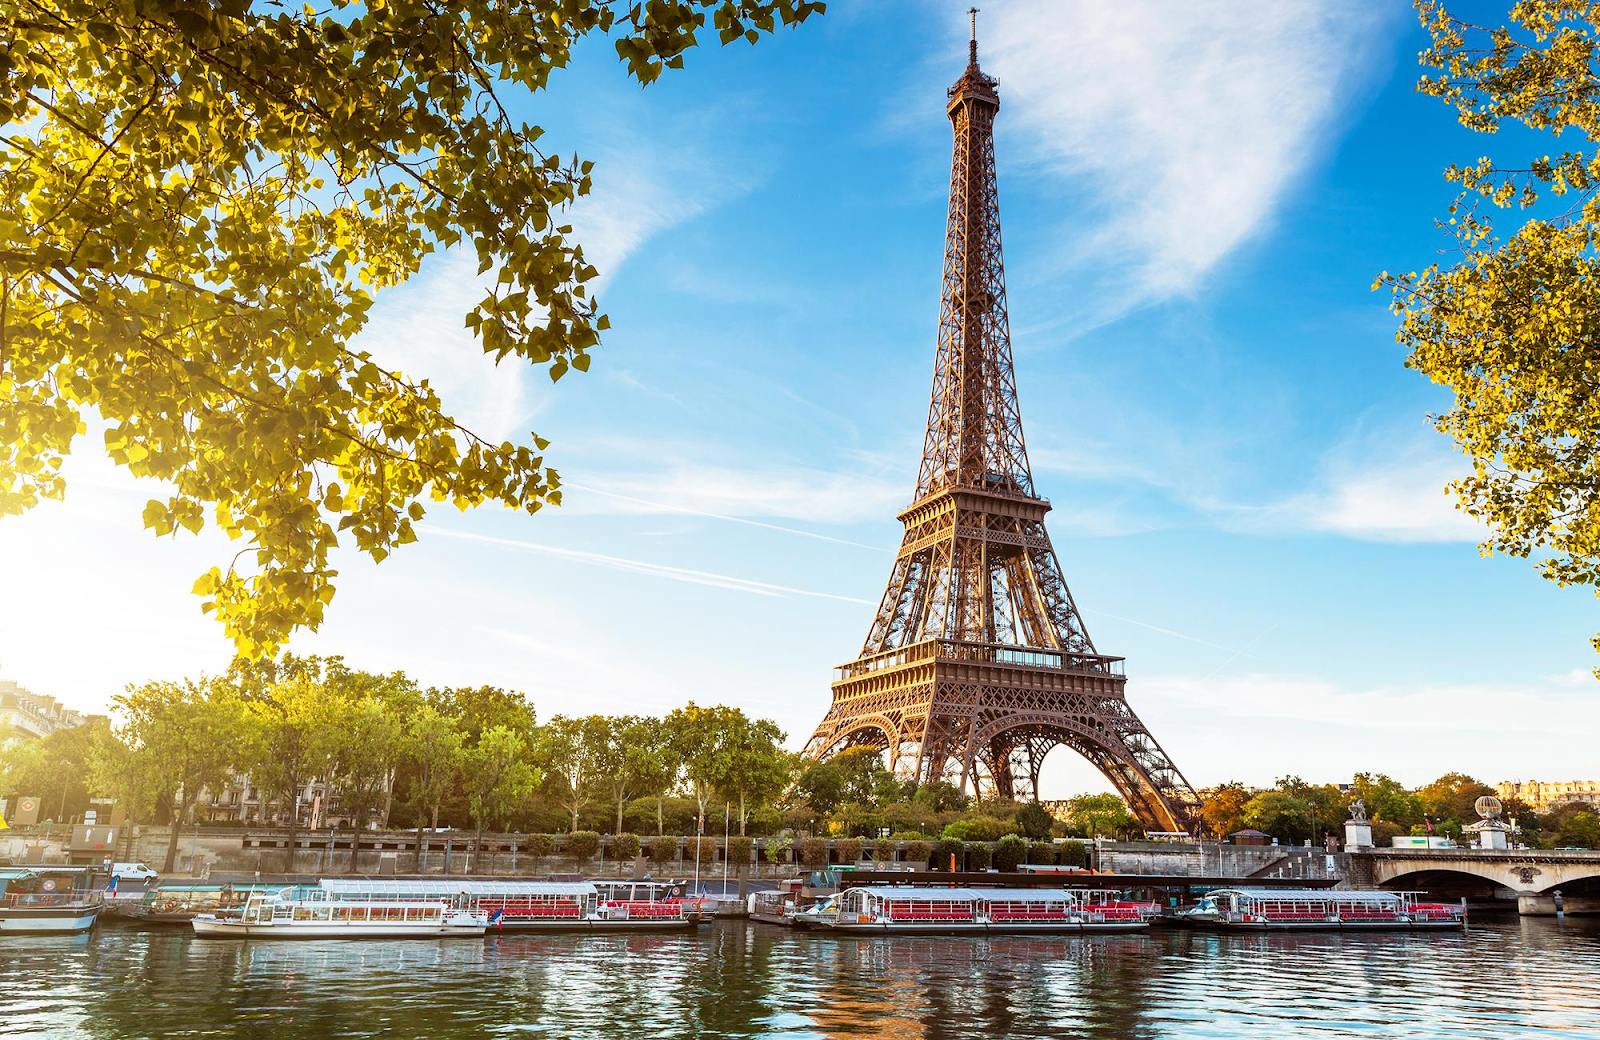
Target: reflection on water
1508, 978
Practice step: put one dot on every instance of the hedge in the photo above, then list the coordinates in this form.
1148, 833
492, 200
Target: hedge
583, 844
1010, 851
663, 850
814, 853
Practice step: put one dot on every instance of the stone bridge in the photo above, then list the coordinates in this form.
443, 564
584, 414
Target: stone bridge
1530, 876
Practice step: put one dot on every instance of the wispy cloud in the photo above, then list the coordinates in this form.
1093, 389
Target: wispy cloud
1388, 488
645, 567
1409, 708
728, 492
1181, 125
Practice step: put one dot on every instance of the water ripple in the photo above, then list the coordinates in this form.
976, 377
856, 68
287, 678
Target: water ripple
1512, 978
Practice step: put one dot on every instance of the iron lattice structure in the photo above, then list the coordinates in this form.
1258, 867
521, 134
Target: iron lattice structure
978, 662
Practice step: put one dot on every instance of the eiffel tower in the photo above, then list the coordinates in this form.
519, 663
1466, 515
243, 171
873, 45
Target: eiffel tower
978, 663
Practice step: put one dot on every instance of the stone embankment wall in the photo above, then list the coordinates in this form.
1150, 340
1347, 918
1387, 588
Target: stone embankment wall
1209, 860
383, 852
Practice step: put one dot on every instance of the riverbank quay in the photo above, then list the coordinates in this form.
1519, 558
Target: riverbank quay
1522, 881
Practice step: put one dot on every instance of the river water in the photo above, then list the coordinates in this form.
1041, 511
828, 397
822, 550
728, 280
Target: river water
1504, 977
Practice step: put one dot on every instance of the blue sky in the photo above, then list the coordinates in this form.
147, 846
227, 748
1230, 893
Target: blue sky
1248, 500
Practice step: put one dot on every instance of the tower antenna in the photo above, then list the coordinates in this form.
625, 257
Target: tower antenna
972, 45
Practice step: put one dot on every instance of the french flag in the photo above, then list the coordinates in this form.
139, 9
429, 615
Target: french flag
498, 919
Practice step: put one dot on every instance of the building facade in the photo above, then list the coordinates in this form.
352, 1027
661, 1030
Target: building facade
32, 715
1541, 795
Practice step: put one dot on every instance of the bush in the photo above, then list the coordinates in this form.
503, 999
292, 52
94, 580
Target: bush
663, 850
705, 849
777, 850
739, 849
883, 850
814, 853
1010, 851
906, 836
988, 828
625, 846
1074, 853
978, 855
583, 844
961, 830
1042, 852
540, 845
1035, 821
917, 853
947, 848
847, 850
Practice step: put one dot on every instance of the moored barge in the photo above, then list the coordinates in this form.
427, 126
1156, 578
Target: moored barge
311, 914
878, 909
37, 902
1288, 909
541, 906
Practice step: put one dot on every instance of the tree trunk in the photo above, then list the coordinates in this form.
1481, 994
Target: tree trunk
388, 797
620, 804
422, 818
172, 842
661, 828
445, 866
294, 832
741, 821
477, 850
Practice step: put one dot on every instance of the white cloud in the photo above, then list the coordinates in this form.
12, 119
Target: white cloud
1187, 122
1376, 490
724, 492
1326, 729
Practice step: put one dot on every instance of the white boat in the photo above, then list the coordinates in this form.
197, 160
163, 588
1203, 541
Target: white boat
1299, 909
35, 902
536, 906
313, 914
957, 911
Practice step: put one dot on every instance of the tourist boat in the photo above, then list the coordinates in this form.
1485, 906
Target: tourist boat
40, 901
293, 913
956, 911
1257, 909
178, 904
539, 906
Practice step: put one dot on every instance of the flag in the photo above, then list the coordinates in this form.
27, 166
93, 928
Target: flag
498, 919
111, 889
1428, 824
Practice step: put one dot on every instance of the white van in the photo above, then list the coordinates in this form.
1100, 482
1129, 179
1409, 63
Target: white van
133, 872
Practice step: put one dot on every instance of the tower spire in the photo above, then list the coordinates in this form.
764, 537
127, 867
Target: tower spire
972, 45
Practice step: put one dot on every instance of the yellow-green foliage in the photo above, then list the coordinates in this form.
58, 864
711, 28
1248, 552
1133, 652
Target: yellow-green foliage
1509, 324
198, 202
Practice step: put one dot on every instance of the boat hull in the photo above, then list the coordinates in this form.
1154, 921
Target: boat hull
47, 920
589, 925
973, 928
332, 930
1332, 926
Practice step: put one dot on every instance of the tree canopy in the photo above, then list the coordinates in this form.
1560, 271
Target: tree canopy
1509, 323
198, 204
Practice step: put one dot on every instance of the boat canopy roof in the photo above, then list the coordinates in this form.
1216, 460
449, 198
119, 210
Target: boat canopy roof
1320, 894
964, 895
383, 888
16, 873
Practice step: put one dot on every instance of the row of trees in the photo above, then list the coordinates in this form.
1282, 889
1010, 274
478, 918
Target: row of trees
382, 746
1294, 811
382, 750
